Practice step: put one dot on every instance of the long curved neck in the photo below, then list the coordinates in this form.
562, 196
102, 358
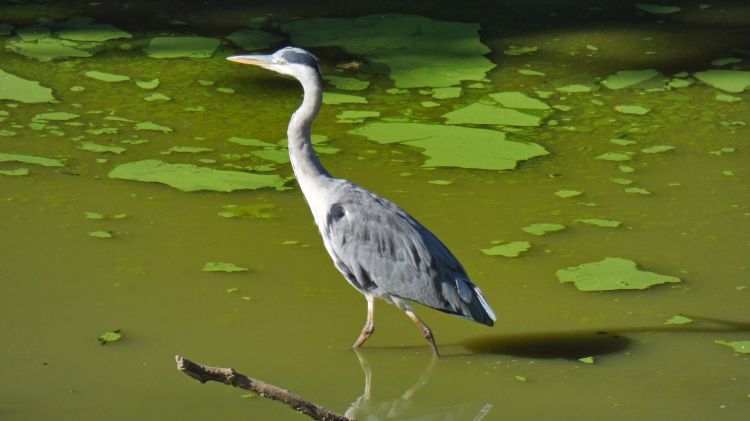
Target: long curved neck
305, 163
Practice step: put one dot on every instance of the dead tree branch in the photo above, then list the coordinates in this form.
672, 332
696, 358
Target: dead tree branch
231, 377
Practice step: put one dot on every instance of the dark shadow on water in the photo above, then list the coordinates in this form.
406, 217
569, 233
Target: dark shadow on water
567, 345
578, 344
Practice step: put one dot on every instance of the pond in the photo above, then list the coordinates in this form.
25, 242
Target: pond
588, 163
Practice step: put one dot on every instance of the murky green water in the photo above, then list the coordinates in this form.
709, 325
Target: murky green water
290, 319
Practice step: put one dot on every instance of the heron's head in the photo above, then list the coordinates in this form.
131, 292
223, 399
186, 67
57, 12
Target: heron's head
291, 61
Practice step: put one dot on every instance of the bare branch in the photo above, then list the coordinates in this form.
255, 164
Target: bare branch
229, 376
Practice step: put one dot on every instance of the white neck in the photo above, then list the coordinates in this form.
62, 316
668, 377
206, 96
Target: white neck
310, 173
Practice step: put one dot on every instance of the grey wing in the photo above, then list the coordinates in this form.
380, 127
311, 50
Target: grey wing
382, 250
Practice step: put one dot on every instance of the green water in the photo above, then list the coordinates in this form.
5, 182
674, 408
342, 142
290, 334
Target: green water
292, 318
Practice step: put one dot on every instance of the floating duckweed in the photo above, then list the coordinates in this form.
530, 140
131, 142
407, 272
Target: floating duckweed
513, 249
29, 159
56, 116
333, 98
529, 72
352, 116
187, 177
16, 172
147, 125
567, 193
516, 50
261, 211
429, 104
632, 109
605, 223
157, 96
222, 267
93, 215
106, 77
148, 84
611, 274
187, 149
419, 52
181, 47
741, 347
637, 190
347, 83
446, 93
487, 114
657, 149
18, 89
93, 33
543, 228
95, 147
225, 90
249, 142
732, 81
518, 100
623, 181
614, 156
629, 78
678, 320
727, 98
622, 142
273, 155
455, 146
587, 360
100, 234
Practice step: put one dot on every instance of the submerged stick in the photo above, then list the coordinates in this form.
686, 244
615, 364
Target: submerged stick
231, 377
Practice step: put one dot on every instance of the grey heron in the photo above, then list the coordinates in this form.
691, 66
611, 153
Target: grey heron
380, 249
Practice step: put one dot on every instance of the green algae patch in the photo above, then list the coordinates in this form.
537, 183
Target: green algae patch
623, 142
249, 142
148, 84
488, 114
187, 177
187, 149
543, 228
518, 100
567, 193
610, 274
637, 190
657, 149
274, 155
29, 159
251, 39
54, 116
16, 172
614, 156
93, 33
95, 147
347, 83
111, 336
181, 47
148, 125
106, 77
657, 9
48, 48
741, 347
455, 146
678, 319
512, 249
157, 96
605, 223
587, 360
19, 89
520, 50
420, 52
333, 98
447, 93
629, 78
223, 267
100, 234
632, 109
733, 81
355, 116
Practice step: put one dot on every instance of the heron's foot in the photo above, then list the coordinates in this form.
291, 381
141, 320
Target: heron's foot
366, 332
430, 339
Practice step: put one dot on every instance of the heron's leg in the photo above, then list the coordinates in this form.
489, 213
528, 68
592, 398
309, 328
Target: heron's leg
369, 324
425, 331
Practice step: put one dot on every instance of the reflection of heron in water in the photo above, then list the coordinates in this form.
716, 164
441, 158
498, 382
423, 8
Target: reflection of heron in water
365, 409
379, 248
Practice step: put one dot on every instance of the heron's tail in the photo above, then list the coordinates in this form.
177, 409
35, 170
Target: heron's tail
478, 309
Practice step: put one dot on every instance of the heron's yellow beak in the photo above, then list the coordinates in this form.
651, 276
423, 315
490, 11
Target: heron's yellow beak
254, 60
